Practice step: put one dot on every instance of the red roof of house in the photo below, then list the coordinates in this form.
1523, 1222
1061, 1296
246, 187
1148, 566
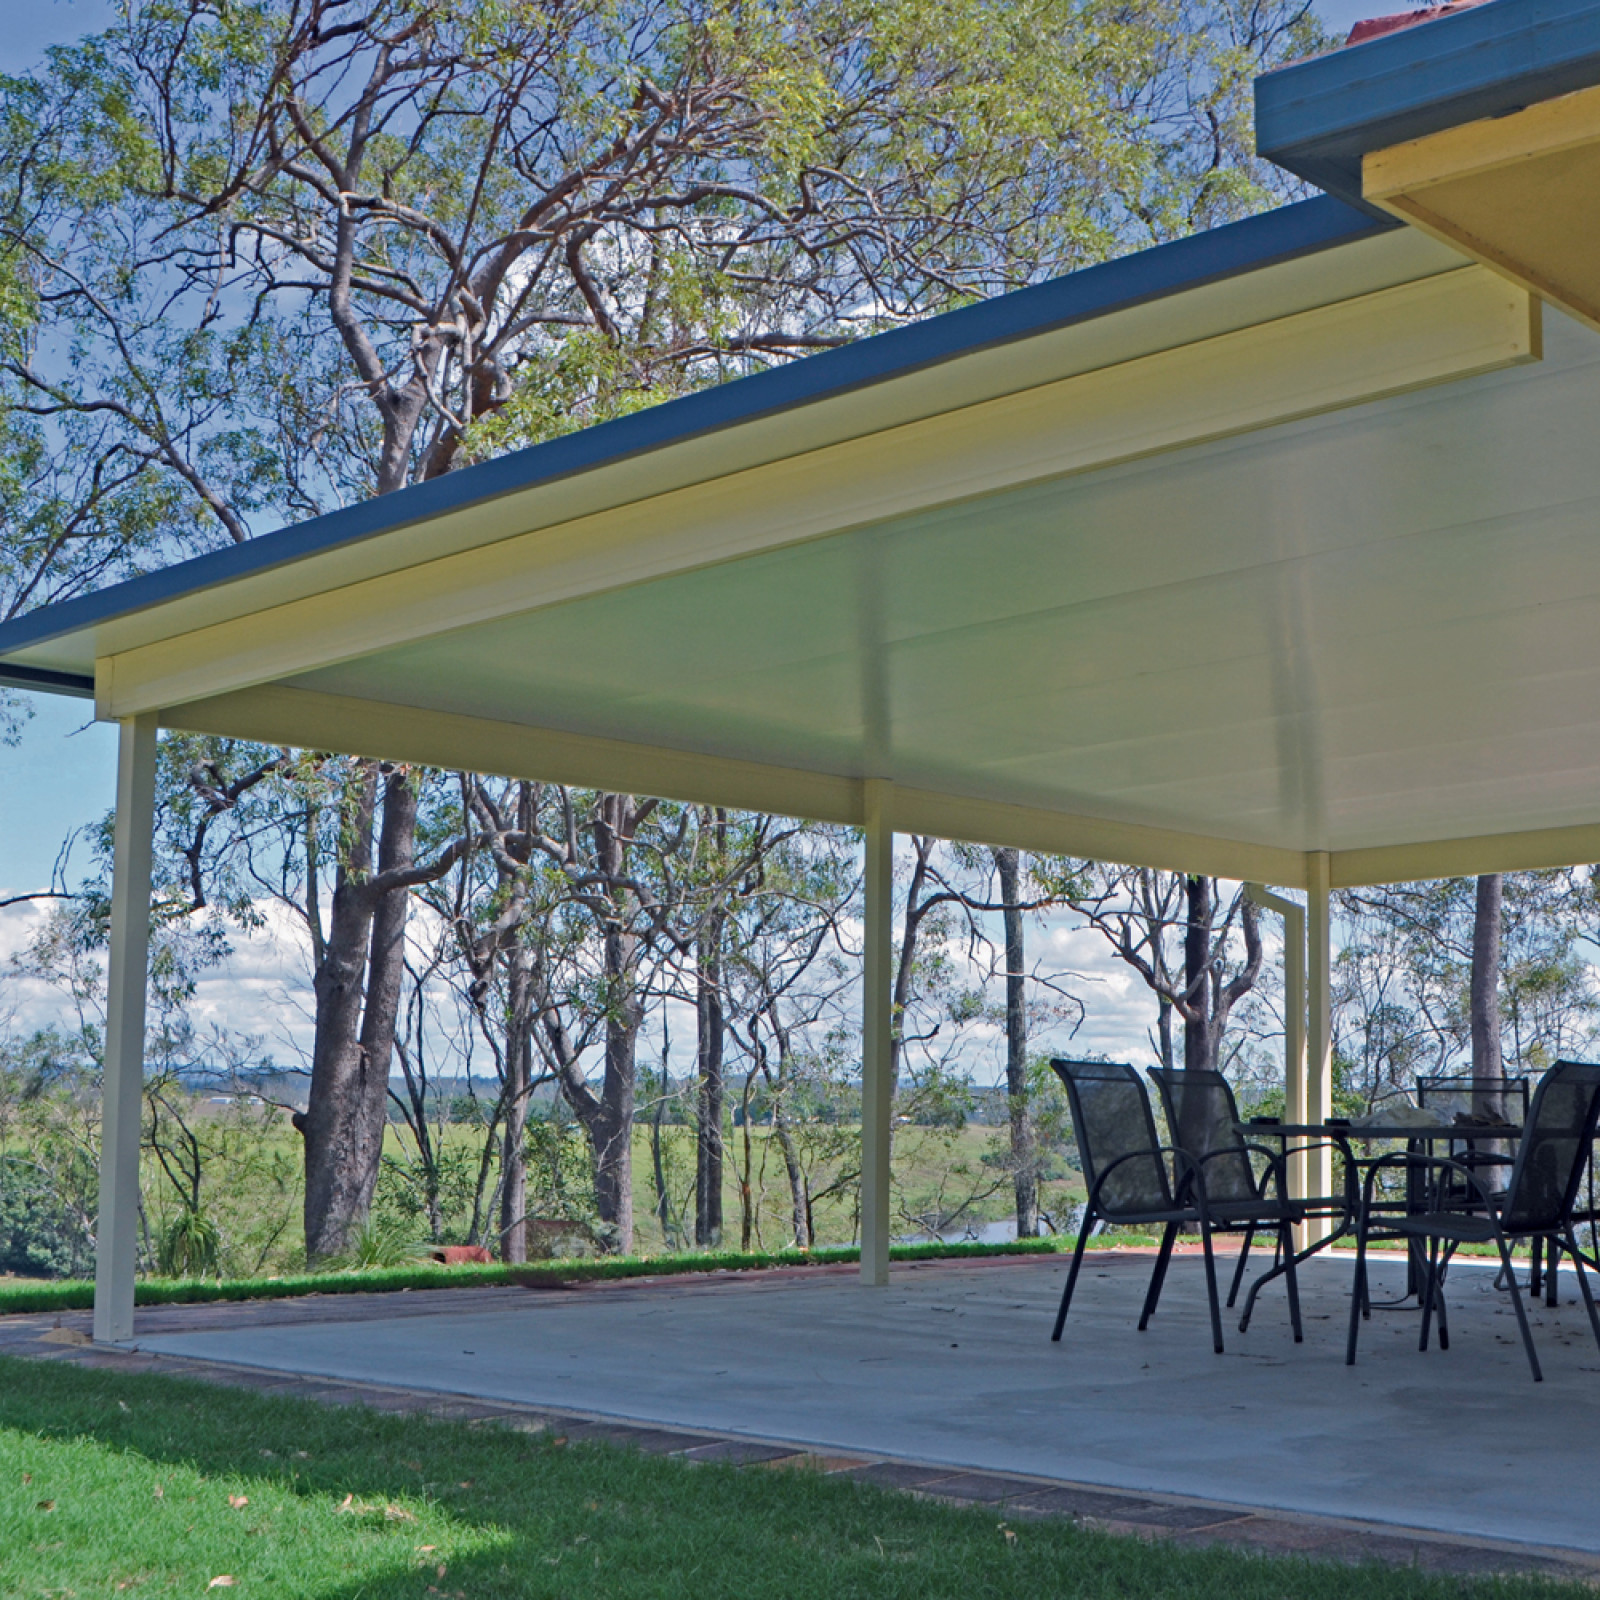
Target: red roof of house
1376, 27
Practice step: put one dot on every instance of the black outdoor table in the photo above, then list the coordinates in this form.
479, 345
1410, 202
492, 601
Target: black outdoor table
1343, 1133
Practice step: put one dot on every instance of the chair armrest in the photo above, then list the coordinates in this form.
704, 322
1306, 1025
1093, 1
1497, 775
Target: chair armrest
1411, 1159
1342, 1148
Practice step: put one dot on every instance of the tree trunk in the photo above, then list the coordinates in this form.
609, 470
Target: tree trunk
608, 1120
1024, 1157
1485, 995
710, 1032
1198, 1042
799, 1201
611, 1128
1199, 1035
1164, 1047
519, 1080
348, 1103
658, 1169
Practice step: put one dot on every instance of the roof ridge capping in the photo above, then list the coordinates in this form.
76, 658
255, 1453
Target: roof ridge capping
1318, 118
1303, 228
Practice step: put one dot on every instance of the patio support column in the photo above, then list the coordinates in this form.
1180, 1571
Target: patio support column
877, 1023
117, 1231
1294, 1020
1319, 1022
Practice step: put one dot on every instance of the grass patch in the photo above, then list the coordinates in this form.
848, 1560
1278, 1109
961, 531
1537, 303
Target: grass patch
150, 1485
77, 1294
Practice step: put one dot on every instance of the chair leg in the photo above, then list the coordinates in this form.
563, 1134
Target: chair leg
1238, 1271
1583, 1285
1358, 1293
1429, 1289
1072, 1276
1211, 1285
1159, 1277
1438, 1298
1552, 1264
1522, 1315
1291, 1281
1535, 1257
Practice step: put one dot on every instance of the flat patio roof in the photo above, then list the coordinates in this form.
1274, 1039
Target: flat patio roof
1259, 545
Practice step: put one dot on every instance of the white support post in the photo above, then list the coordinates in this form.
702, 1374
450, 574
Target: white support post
1319, 1023
1295, 1087
117, 1233
877, 1022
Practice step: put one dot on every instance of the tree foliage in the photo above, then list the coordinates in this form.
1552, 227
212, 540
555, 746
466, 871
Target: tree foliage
263, 258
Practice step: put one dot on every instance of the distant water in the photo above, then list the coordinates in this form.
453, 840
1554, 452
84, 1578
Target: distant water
1002, 1232
974, 1232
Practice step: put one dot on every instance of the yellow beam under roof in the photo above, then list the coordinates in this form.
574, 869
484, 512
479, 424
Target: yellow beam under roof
1519, 192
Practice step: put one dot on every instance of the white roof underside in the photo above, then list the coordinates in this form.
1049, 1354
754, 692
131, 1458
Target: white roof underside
1371, 631
1350, 631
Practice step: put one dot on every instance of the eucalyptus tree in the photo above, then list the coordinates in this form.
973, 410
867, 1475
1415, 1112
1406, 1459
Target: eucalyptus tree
1016, 887
1467, 960
261, 258
1197, 948
572, 909
788, 969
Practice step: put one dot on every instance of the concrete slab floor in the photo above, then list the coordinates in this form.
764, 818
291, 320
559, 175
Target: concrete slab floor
954, 1365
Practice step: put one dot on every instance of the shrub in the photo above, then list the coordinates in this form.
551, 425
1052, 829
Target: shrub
39, 1238
189, 1247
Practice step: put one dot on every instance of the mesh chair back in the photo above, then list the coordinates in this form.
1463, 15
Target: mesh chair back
1111, 1119
1201, 1115
1506, 1098
1555, 1145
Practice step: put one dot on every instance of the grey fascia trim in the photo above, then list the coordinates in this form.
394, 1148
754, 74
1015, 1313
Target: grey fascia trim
16, 676
1318, 118
1304, 228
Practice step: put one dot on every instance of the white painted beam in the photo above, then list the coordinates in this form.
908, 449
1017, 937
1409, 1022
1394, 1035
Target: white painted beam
122, 1095
1527, 851
316, 721
1135, 844
877, 1024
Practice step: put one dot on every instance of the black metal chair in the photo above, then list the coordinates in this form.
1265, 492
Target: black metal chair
1503, 1099
1537, 1203
1202, 1118
1465, 1098
1124, 1164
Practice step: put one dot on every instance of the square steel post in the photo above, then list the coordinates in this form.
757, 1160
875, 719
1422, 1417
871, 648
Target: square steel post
877, 1023
117, 1232
1294, 1028
1319, 1022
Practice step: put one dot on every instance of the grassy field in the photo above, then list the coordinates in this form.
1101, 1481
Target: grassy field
252, 1188
114, 1485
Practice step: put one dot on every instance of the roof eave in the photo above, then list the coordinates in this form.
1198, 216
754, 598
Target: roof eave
1318, 118
1304, 228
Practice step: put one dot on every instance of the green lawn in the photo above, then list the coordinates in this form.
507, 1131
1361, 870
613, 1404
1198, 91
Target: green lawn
77, 1294
112, 1485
